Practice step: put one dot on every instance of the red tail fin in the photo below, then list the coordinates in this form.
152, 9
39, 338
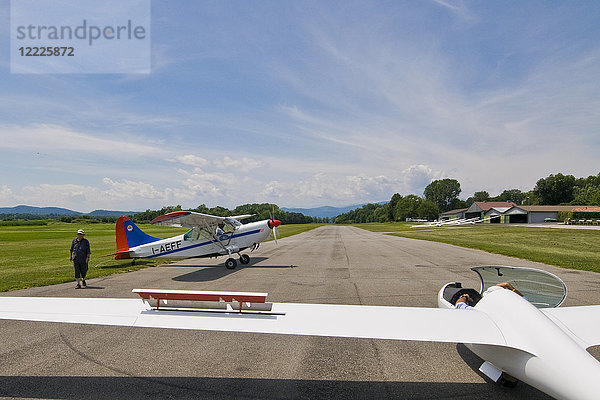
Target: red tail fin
122, 244
128, 236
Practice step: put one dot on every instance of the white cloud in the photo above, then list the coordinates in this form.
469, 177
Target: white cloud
6, 195
244, 164
75, 197
241, 164
337, 190
457, 7
53, 137
417, 177
209, 187
127, 190
190, 159
121, 195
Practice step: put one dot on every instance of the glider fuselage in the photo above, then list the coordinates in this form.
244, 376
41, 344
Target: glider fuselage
539, 351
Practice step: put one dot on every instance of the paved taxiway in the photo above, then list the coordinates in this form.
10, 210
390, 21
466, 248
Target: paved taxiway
333, 264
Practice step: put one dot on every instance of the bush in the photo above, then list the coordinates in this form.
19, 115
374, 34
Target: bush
586, 215
563, 215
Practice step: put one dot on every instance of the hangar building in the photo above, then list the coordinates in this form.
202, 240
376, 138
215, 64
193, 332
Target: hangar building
508, 212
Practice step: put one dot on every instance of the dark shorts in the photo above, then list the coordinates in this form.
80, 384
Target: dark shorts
81, 268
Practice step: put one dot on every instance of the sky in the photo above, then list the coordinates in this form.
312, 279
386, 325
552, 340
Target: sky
311, 103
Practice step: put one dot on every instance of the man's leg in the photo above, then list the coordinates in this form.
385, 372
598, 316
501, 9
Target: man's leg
77, 266
84, 269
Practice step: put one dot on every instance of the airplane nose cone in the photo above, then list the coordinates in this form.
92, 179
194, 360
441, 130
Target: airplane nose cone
273, 223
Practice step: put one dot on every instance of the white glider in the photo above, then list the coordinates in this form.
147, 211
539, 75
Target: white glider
544, 347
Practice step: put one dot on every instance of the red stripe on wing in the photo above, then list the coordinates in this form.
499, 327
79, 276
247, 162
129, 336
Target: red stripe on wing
171, 215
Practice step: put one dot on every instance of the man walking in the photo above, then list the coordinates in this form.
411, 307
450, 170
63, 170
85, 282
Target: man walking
80, 255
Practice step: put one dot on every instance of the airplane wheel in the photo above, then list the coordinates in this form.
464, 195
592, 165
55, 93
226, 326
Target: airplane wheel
230, 263
507, 380
244, 258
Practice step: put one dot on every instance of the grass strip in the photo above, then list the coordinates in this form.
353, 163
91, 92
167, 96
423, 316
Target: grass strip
567, 248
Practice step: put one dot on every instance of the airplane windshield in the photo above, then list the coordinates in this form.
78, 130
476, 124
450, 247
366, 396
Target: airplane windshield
541, 288
192, 234
208, 231
233, 222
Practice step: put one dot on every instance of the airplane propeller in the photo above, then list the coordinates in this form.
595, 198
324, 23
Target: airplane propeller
273, 224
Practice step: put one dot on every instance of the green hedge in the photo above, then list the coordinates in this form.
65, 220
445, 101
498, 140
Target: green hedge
563, 215
586, 215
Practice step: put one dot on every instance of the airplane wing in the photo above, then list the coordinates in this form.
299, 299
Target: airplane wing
244, 216
186, 219
190, 219
582, 321
377, 322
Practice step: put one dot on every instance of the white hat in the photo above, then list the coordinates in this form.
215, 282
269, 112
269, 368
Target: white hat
81, 231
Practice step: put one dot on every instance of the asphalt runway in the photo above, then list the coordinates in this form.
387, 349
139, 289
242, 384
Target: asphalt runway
332, 264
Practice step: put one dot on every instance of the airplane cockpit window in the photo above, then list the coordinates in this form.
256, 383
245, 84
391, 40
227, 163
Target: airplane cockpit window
229, 227
234, 223
192, 234
541, 288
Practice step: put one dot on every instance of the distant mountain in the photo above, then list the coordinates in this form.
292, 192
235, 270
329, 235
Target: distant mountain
326, 211
38, 210
60, 211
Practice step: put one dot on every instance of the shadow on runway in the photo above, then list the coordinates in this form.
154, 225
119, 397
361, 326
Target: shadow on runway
473, 361
105, 387
214, 272
220, 262
116, 264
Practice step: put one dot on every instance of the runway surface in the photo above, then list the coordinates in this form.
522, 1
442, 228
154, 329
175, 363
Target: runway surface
332, 264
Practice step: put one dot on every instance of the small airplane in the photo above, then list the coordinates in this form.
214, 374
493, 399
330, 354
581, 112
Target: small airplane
209, 236
519, 337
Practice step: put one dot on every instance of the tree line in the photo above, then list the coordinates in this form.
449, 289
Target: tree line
443, 195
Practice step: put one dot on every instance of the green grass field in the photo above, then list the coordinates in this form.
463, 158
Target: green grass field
39, 255
567, 248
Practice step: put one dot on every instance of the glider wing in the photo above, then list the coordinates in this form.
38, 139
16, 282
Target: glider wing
377, 322
582, 321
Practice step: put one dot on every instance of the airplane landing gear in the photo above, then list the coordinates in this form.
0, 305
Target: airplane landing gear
230, 263
507, 380
244, 259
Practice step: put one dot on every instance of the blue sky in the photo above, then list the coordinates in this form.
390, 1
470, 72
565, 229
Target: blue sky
305, 104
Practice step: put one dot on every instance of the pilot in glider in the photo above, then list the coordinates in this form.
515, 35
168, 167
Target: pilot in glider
209, 236
522, 337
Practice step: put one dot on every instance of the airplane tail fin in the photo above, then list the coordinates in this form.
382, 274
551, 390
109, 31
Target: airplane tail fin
128, 236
